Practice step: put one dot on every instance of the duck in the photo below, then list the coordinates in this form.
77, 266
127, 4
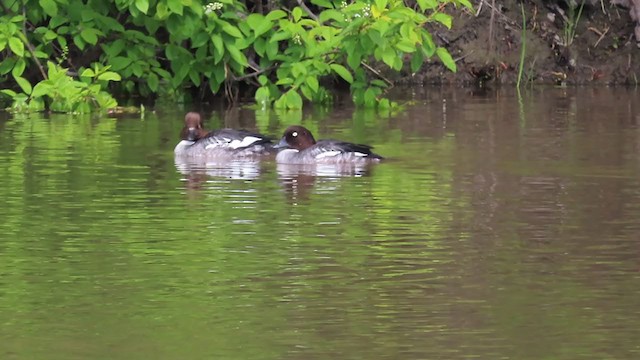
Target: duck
195, 141
298, 146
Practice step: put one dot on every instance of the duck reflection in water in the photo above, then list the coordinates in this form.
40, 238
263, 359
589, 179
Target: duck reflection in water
299, 181
203, 175
244, 169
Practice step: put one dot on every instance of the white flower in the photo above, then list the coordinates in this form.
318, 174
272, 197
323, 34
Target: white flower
211, 7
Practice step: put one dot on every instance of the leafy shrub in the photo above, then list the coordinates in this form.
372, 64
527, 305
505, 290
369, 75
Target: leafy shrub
151, 47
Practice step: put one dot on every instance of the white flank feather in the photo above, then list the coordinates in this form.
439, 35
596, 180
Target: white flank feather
329, 153
246, 141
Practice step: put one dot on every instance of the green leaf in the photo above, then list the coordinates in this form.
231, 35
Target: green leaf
255, 20
259, 46
466, 4
306, 91
343, 72
18, 68
194, 75
353, 59
25, 85
427, 4
370, 97
331, 14
262, 96
88, 73
49, 6
89, 35
230, 29
36, 104
115, 48
143, 6
389, 56
379, 83
180, 74
119, 62
313, 84
237, 55
272, 50
218, 44
297, 13
264, 27
446, 58
284, 81
175, 6
381, 4
6, 65
88, 14
444, 19
57, 21
428, 46
322, 3
298, 69
42, 88
8, 92
162, 11
275, 15
294, 100
406, 46
109, 76
219, 74
17, 46
417, 59
152, 82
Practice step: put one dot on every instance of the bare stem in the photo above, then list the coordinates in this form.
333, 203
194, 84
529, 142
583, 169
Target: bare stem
305, 8
377, 73
29, 45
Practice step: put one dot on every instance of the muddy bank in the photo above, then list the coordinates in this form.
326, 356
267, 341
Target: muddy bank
599, 49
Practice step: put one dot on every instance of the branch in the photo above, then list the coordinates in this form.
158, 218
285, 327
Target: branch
253, 74
377, 73
29, 45
305, 8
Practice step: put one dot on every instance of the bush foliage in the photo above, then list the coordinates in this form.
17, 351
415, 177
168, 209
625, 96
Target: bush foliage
70, 55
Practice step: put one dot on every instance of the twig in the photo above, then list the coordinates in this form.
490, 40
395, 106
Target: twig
491, 21
479, 8
463, 56
29, 45
377, 73
602, 34
253, 74
507, 19
305, 8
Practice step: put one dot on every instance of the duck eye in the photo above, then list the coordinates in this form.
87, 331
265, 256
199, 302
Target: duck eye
294, 134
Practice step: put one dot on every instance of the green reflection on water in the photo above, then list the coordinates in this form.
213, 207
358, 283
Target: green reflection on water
451, 249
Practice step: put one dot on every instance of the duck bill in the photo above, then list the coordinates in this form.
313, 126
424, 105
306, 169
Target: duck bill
282, 144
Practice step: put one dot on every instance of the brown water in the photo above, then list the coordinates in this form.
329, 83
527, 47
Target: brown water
497, 229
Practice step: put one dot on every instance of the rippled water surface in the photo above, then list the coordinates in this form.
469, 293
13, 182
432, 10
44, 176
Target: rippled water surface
498, 229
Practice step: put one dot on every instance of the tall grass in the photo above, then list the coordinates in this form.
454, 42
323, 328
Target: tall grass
571, 24
523, 47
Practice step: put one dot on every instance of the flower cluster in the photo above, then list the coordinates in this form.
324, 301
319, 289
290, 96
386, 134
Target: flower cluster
297, 39
366, 12
211, 7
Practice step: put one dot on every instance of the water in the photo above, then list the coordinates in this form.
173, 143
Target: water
498, 229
